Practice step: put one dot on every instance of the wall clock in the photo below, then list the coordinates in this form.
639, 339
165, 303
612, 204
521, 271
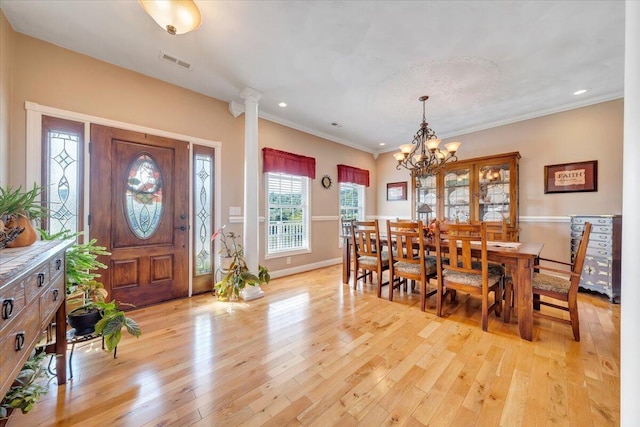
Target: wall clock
326, 181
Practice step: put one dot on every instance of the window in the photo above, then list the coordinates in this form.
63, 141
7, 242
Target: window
62, 169
203, 215
288, 213
351, 201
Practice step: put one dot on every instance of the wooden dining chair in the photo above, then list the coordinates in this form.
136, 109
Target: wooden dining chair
564, 289
498, 231
463, 273
345, 227
368, 254
345, 236
408, 259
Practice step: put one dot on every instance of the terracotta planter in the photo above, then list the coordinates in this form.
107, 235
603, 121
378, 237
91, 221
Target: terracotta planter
27, 237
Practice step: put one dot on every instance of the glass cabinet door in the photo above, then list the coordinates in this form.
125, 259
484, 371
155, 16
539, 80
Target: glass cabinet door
426, 201
494, 202
457, 194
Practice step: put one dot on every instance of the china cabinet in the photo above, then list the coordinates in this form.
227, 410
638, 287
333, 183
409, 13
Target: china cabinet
601, 271
478, 189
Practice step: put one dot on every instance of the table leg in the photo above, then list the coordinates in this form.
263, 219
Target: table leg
61, 343
524, 297
346, 260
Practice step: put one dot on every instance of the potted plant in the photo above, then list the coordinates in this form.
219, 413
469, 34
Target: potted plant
17, 209
27, 388
225, 254
89, 312
237, 275
84, 315
98, 316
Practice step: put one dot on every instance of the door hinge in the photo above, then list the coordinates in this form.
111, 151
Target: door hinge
90, 147
89, 220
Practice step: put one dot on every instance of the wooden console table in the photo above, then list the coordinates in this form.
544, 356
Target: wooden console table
32, 296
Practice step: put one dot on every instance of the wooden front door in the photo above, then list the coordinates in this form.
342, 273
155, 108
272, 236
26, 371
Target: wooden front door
139, 211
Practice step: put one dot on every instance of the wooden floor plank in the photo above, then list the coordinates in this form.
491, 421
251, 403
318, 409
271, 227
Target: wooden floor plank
313, 351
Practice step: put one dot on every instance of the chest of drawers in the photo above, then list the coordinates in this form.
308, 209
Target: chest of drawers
32, 295
601, 271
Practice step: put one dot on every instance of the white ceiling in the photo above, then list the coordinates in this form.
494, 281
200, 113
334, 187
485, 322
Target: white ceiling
362, 64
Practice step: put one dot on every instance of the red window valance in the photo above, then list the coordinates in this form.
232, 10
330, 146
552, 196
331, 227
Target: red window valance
353, 175
289, 163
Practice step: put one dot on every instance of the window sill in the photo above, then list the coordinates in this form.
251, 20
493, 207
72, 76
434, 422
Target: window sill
287, 253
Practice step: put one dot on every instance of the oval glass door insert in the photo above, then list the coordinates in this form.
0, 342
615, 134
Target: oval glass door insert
143, 198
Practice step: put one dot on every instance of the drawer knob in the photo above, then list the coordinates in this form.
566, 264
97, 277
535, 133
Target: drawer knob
7, 308
55, 295
40, 279
19, 341
58, 264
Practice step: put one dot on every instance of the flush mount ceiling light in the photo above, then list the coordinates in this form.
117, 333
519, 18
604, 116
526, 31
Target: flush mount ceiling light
175, 16
580, 92
423, 157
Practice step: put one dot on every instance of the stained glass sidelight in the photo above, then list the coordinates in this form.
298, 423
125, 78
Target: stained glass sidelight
144, 196
62, 182
203, 191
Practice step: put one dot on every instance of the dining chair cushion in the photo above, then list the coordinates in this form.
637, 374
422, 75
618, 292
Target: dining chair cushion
409, 268
470, 279
548, 282
370, 260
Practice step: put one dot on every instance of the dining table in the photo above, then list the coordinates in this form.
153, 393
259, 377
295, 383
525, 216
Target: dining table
518, 257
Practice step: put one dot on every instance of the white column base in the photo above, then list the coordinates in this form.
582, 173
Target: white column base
251, 292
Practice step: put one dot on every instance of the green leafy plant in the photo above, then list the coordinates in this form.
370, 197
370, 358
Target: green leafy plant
87, 292
238, 275
82, 263
28, 386
81, 259
18, 203
112, 322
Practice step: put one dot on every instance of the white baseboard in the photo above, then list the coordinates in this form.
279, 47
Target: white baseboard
306, 267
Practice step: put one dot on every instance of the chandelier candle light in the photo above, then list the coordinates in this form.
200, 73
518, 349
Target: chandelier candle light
423, 157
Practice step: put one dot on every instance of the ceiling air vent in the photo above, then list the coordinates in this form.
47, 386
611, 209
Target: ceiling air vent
172, 59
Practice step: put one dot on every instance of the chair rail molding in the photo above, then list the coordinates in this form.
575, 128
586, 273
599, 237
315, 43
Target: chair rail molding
547, 219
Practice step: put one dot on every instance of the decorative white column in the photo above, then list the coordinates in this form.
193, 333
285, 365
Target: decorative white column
251, 188
630, 293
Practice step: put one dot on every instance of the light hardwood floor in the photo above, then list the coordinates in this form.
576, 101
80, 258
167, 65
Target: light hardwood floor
314, 352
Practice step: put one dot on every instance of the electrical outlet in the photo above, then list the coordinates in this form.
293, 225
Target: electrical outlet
288, 260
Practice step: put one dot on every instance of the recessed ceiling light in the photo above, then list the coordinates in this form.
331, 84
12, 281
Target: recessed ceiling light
580, 92
282, 104
382, 143
335, 124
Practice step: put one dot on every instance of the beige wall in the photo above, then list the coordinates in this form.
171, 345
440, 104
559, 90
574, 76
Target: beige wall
6, 44
588, 133
325, 226
55, 77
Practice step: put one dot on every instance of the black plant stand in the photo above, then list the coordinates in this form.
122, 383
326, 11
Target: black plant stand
74, 339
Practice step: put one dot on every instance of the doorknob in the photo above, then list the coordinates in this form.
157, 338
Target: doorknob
182, 227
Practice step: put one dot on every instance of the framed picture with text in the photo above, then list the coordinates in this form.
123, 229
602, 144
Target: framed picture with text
571, 177
397, 191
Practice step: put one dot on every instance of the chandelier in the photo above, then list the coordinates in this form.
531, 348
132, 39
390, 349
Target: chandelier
423, 157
